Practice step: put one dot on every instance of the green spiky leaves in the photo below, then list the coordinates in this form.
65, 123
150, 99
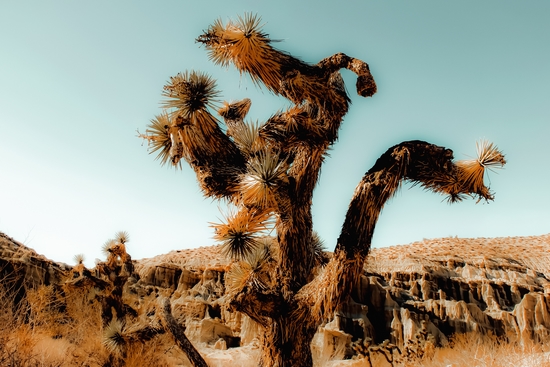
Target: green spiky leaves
190, 92
240, 233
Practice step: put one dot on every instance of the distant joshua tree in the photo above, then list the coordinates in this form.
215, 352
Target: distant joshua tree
268, 171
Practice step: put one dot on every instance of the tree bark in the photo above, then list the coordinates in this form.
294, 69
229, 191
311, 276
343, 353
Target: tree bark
287, 343
288, 339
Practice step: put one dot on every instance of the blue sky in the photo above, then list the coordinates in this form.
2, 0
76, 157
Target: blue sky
78, 78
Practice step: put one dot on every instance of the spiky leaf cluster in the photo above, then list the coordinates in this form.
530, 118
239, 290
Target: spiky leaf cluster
471, 173
254, 270
244, 44
266, 172
106, 248
240, 233
159, 138
122, 237
113, 336
190, 92
434, 169
115, 249
247, 138
318, 250
79, 259
235, 111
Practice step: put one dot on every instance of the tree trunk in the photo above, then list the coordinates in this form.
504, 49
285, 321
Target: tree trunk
288, 338
287, 343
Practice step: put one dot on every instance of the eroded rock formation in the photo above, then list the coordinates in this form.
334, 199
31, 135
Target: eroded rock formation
440, 287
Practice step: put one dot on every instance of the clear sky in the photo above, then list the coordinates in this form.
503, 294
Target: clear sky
78, 78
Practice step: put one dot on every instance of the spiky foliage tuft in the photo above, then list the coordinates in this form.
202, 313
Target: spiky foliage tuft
247, 138
237, 277
243, 43
159, 139
253, 270
192, 133
115, 249
318, 250
262, 254
113, 337
106, 248
79, 259
240, 234
233, 114
122, 237
432, 167
266, 171
235, 110
190, 92
472, 172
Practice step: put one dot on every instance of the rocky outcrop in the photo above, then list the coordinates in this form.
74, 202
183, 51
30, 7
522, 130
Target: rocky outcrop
484, 285
22, 268
443, 286
436, 287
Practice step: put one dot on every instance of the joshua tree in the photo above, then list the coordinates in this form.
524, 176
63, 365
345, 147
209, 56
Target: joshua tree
268, 172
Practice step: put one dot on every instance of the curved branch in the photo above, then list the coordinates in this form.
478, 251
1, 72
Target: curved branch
422, 163
191, 132
366, 86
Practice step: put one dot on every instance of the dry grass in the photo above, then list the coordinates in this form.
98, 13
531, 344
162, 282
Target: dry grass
476, 350
50, 327
21, 341
470, 349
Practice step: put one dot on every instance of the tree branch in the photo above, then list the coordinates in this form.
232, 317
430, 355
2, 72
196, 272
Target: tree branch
422, 163
178, 333
365, 85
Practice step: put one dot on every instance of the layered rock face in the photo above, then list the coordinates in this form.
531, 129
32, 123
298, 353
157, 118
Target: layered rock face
443, 286
496, 285
438, 287
26, 268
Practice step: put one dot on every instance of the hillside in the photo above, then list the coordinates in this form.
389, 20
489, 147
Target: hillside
410, 296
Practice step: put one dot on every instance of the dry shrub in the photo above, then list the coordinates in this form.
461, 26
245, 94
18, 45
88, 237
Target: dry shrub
17, 337
46, 306
473, 349
152, 353
63, 327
